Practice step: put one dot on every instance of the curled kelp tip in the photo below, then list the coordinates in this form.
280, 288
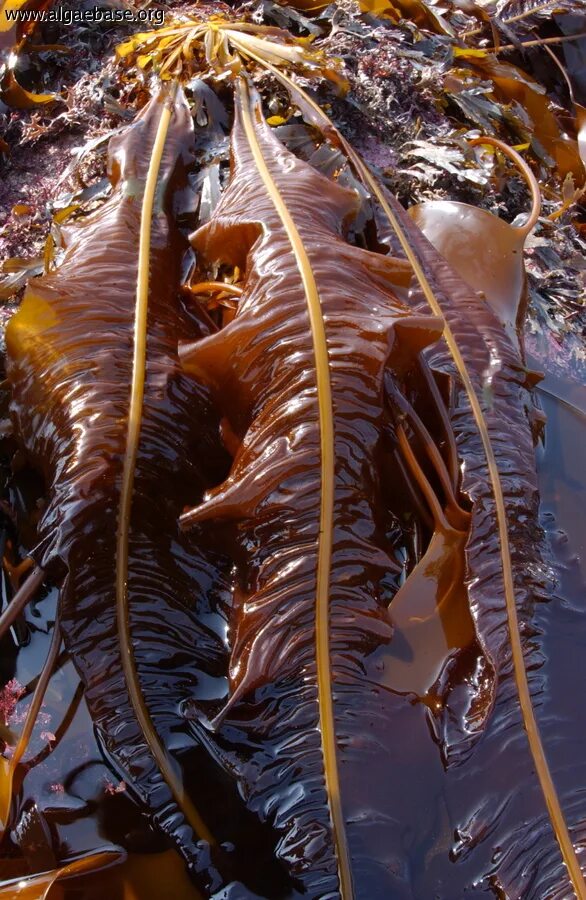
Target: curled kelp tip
485, 250
526, 172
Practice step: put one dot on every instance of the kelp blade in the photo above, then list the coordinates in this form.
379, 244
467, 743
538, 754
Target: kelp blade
481, 356
69, 364
261, 368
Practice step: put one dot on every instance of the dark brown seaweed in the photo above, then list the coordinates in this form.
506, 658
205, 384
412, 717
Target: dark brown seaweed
70, 358
299, 375
362, 505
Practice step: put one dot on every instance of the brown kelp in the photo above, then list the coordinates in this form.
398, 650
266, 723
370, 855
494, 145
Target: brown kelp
93, 366
299, 377
360, 557
483, 372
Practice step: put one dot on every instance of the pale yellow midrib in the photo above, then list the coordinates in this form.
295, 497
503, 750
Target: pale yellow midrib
132, 444
324, 391
548, 788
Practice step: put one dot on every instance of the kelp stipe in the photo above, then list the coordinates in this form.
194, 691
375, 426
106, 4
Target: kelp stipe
8, 768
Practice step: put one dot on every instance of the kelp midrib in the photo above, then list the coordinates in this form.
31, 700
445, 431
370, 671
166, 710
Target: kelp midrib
537, 751
129, 466
326, 430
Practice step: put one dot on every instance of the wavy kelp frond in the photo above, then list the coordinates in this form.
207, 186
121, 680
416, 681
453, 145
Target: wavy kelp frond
299, 375
217, 45
131, 449
363, 546
70, 365
502, 376
492, 379
505, 481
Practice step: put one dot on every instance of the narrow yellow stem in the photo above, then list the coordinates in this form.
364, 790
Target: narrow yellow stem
421, 479
132, 443
208, 287
24, 595
541, 42
324, 393
37, 698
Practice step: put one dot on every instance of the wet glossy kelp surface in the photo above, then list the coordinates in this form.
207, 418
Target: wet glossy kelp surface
305, 685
